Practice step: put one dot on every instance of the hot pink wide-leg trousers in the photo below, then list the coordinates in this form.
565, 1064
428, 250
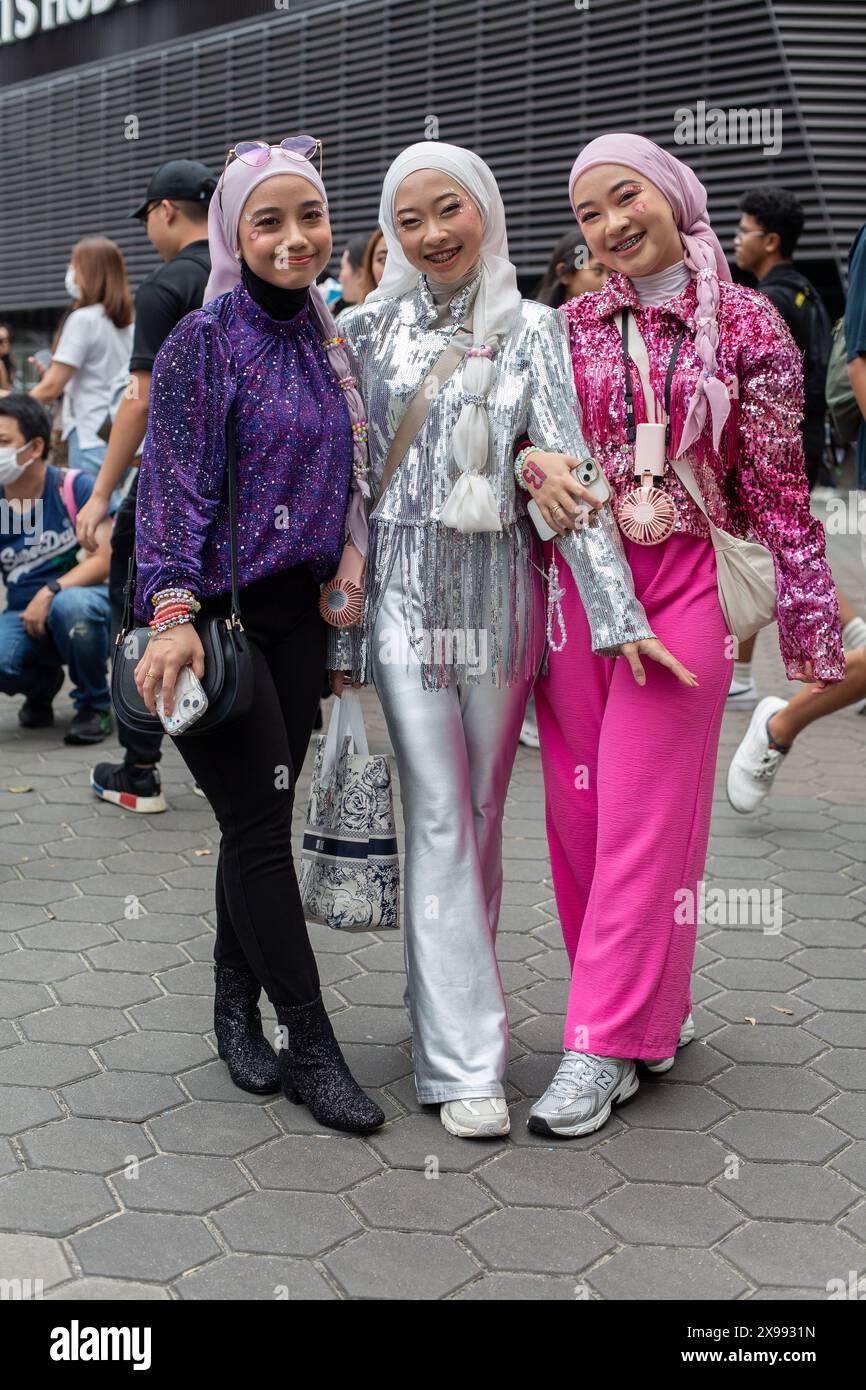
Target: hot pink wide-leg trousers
628, 774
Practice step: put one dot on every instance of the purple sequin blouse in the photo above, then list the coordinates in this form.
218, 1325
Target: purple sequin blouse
294, 452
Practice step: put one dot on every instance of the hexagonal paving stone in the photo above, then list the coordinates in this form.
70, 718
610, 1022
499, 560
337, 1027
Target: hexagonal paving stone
853, 1163
736, 1005
144, 957
755, 974
17, 999
788, 1192
88, 1146
666, 1214
744, 1042
792, 1138
689, 1274
550, 1177
137, 1245
21, 1107
840, 1029
41, 966
110, 988
391, 1265
44, 1064
285, 1223
798, 1253
28, 1257
773, 1088
519, 1288
672, 1107
361, 1023
123, 1096
848, 1113
75, 1024
411, 1201
176, 1013
51, 1203
845, 1067
255, 1277
155, 1051
538, 1239
213, 1127
665, 1156
186, 1183
312, 1163
95, 1290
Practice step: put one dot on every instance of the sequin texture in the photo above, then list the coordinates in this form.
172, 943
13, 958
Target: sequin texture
294, 452
755, 485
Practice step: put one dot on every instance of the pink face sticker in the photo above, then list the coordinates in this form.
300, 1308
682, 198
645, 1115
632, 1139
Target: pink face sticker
533, 474
639, 208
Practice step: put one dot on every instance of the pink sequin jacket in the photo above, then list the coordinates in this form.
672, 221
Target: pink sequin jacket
755, 486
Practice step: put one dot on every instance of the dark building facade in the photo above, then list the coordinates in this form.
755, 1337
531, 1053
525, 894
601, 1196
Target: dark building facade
95, 93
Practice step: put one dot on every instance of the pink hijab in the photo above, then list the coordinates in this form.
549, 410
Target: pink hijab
702, 253
224, 214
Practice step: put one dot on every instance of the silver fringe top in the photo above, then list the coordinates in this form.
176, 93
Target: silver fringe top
449, 578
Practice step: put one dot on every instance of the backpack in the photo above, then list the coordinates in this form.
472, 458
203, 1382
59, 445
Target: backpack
819, 342
841, 401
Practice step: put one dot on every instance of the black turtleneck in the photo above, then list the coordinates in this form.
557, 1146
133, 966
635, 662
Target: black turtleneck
278, 303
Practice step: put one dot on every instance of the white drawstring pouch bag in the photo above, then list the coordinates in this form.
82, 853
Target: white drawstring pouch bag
350, 869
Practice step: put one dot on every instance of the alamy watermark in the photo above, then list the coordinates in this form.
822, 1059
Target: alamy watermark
740, 125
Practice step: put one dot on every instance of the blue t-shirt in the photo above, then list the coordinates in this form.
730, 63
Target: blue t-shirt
855, 329
45, 545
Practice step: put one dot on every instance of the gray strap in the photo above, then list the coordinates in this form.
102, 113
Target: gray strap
418, 409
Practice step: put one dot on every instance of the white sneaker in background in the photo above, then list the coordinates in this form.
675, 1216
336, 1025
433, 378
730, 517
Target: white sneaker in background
742, 695
755, 764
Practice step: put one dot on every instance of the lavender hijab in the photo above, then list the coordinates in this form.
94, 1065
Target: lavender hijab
234, 188
702, 253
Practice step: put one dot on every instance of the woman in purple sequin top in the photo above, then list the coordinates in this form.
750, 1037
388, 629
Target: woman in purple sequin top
265, 346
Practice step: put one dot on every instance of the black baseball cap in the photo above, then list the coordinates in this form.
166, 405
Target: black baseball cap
185, 179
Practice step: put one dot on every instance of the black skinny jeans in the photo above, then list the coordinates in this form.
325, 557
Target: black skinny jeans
247, 770
139, 747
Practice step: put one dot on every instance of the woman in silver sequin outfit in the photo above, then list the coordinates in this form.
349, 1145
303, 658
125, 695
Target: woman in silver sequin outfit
453, 629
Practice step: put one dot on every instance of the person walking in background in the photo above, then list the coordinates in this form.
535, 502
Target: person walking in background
261, 357
10, 379
57, 611
355, 280
174, 216
91, 350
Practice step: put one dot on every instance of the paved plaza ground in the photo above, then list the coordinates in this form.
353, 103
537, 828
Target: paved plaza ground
132, 1168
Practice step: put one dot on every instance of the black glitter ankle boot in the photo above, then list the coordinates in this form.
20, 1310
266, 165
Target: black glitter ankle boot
314, 1070
252, 1062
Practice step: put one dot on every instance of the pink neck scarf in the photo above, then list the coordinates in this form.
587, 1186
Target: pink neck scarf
702, 253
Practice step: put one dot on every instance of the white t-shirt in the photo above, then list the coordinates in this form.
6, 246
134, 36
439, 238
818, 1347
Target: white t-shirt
100, 353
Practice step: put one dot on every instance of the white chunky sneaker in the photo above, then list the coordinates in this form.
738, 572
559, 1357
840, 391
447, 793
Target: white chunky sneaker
755, 763
743, 695
580, 1096
485, 1118
663, 1064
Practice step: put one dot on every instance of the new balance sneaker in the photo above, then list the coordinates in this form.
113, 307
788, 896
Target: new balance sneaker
756, 761
476, 1119
89, 725
39, 713
663, 1064
581, 1095
135, 788
743, 695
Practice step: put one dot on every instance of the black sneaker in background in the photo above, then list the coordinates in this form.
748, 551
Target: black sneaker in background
39, 714
89, 725
135, 788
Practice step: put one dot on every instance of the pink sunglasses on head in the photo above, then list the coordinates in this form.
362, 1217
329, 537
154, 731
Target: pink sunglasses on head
258, 152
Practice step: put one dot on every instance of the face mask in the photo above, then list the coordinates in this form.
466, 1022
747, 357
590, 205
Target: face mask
10, 468
73, 289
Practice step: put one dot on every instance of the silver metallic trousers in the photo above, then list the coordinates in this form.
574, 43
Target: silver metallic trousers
455, 750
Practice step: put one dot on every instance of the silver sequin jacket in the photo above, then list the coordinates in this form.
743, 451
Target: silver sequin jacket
392, 344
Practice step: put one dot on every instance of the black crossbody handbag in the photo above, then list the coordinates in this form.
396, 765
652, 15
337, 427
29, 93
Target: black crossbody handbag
228, 669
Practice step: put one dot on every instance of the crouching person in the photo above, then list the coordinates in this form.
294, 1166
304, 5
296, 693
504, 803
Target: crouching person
57, 609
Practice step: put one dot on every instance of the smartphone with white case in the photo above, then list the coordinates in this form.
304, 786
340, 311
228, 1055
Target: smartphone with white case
190, 703
591, 476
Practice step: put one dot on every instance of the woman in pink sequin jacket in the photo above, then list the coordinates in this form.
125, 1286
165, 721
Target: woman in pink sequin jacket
629, 771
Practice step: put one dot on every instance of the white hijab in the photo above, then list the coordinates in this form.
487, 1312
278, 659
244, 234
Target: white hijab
471, 506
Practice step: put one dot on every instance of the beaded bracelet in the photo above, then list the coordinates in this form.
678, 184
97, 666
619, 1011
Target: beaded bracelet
177, 610
181, 595
170, 622
518, 466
